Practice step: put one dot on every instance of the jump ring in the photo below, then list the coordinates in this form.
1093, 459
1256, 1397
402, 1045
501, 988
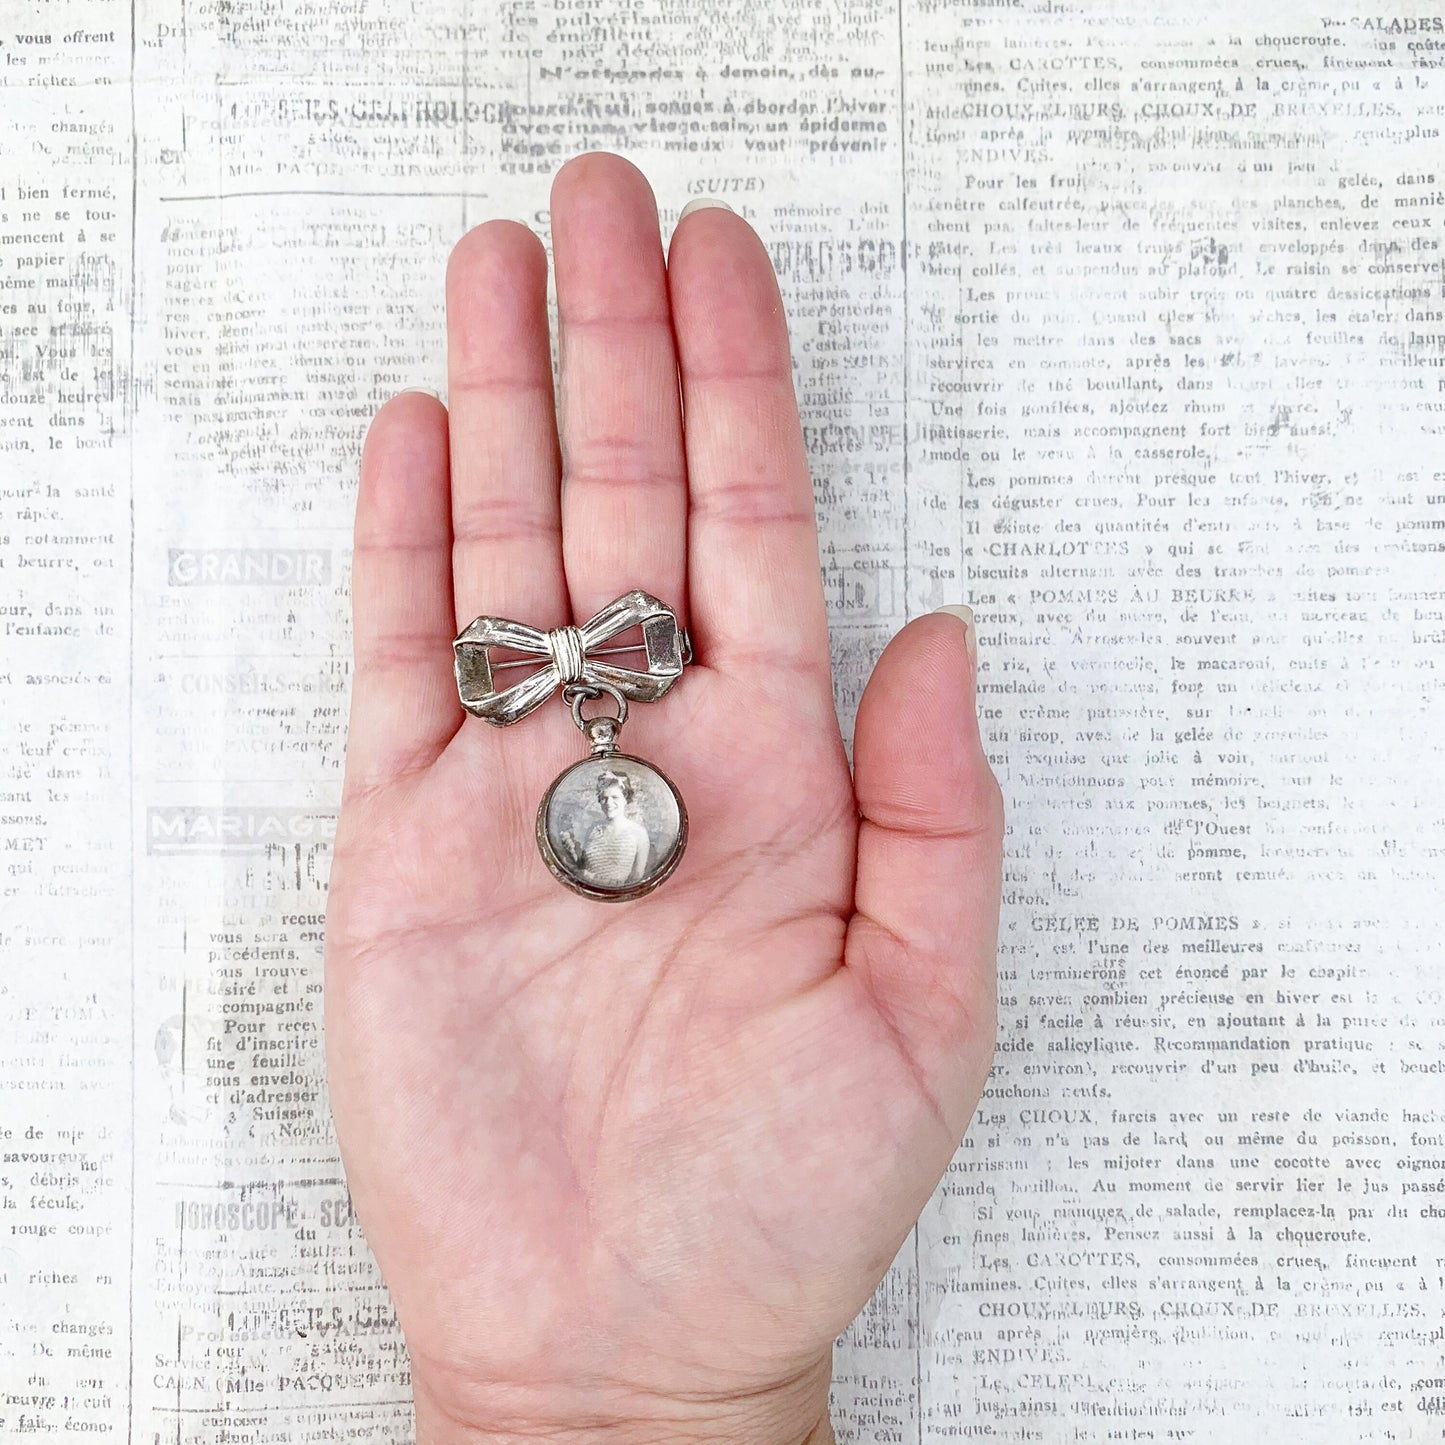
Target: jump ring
579, 693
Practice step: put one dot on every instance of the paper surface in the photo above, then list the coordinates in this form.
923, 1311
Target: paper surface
1122, 322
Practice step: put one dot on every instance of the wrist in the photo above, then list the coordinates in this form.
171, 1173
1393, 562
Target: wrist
794, 1412
436, 1429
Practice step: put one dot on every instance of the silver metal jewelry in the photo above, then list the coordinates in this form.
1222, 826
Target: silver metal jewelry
612, 826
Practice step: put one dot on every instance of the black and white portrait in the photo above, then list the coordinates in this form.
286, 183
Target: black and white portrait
612, 824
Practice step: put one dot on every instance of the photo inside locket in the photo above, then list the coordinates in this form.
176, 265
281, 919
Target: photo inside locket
613, 823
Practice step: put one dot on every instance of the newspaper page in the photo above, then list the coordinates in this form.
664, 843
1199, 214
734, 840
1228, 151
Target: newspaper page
1122, 321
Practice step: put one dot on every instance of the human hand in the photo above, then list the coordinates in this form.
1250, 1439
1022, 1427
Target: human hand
629, 1169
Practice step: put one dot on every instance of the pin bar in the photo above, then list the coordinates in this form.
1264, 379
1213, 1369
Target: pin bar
595, 652
602, 652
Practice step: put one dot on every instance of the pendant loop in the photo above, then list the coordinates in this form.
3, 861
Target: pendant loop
580, 692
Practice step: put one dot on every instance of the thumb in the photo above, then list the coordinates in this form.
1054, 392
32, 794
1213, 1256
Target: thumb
924, 935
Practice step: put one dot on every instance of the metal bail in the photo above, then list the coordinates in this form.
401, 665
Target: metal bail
602, 732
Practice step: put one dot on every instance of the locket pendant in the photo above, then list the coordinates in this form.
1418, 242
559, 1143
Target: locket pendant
612, 826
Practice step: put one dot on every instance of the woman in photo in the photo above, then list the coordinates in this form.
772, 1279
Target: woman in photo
617, 849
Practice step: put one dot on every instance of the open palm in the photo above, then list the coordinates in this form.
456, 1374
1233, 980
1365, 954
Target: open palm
635, 1165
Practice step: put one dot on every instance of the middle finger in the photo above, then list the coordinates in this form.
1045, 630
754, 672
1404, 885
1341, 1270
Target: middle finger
624, 470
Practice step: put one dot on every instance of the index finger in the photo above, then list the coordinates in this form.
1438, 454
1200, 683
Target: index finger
755, 584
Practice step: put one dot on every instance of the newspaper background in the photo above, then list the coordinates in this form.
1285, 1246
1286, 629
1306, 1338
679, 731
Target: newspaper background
1124, 322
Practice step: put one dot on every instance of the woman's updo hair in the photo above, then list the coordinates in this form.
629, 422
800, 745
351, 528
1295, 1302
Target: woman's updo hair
610, 779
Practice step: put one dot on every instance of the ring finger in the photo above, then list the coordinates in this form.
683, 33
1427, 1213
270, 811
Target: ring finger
506, 528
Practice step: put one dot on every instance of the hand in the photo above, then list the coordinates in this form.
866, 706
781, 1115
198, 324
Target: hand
629, 1169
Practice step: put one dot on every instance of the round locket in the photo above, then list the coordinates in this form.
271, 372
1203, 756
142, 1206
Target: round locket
612, 827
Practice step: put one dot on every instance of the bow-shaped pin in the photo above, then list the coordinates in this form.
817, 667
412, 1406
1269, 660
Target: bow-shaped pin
571, 654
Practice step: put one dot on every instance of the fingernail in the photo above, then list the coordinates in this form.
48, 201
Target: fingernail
426, 390
964, 612
700, 203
